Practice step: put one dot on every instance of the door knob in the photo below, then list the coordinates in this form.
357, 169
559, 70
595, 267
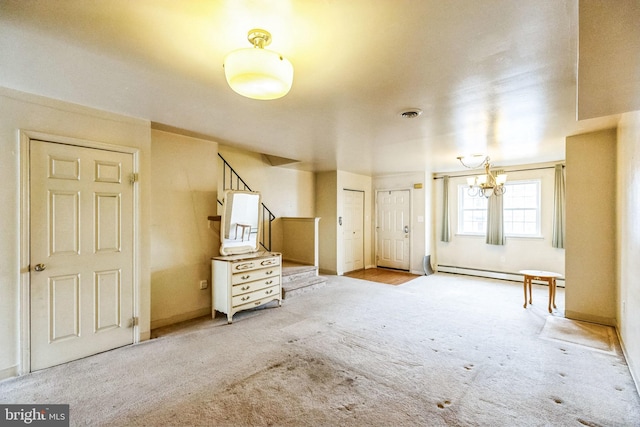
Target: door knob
40, 267
406, 228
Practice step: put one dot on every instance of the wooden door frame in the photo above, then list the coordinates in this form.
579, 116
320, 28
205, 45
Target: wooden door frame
25, 235
410, 190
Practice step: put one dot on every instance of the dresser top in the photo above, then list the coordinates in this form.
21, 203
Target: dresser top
246, 257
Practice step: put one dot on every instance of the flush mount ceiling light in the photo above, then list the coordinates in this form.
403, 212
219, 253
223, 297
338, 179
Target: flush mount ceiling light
256, 72
485, 185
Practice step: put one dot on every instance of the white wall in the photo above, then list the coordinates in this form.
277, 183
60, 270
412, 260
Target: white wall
29, 112
591, 227
420, 212
628, 239
518, 253
183, 195
326, 194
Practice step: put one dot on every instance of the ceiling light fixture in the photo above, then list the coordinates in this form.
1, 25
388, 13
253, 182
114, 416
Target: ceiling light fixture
256, 72
485, 185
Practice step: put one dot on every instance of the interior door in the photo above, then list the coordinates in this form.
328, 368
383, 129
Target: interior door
81, 262
353, 230
393, 210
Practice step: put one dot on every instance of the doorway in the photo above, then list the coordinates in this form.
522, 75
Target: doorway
353, 229
393, 228
80, 297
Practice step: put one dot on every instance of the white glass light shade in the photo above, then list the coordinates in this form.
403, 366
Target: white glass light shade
501, 178
258, 73
471, 181
482, 179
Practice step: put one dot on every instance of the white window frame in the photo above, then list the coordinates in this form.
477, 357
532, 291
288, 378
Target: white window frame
462, 191
538, 208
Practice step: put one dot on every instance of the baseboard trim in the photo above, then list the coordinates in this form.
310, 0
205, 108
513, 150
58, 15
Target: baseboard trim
600, 320
490, 274
628, 360
10, 372
158, 323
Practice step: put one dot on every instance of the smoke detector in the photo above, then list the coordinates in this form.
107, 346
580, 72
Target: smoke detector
411, 113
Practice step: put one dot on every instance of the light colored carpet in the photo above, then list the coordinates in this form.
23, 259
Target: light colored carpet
441, 350
588, 335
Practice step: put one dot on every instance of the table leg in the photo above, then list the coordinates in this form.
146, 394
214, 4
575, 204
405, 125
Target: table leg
527, 284
552, 293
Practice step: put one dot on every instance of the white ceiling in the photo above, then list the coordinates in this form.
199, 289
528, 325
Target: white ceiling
492, 76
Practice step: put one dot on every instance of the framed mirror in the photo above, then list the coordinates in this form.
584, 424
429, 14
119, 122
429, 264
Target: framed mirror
241, 223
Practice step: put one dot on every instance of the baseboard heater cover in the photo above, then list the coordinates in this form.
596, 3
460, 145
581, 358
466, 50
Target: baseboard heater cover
490, 274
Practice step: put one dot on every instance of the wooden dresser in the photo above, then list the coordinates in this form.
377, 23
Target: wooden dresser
242, 282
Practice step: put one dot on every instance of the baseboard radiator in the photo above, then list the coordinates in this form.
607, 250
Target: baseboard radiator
490, 274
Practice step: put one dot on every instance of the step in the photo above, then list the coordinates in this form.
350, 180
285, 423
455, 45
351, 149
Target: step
299, 278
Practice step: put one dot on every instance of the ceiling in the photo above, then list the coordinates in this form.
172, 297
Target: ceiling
492, 76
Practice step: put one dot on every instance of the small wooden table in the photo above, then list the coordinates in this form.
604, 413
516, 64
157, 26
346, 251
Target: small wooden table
547, 276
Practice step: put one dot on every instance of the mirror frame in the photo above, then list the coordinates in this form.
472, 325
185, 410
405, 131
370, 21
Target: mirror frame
227, 206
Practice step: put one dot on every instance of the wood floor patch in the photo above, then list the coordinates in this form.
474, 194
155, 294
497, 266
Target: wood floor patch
383, 275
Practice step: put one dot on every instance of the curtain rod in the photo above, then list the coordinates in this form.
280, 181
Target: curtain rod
507, 171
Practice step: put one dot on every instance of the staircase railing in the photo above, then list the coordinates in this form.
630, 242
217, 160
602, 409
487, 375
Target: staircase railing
232, 181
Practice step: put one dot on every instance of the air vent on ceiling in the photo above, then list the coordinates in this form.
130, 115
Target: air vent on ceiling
411, 114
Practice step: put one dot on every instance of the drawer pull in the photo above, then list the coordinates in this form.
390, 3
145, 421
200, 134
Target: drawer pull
268, 282
245, 277
257, 302
269, 262
244, 266
245, 288
268, 292
245, 298
268, 273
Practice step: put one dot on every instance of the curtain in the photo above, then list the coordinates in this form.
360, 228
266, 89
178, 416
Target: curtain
495, 220
557, 240
446, 228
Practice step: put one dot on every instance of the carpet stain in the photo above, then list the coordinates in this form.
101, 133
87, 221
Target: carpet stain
588, 423
444, 404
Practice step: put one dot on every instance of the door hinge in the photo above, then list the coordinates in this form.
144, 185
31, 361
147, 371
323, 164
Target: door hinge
134, 321
133, 178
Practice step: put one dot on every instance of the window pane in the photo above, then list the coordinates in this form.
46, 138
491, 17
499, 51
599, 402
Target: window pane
522, 207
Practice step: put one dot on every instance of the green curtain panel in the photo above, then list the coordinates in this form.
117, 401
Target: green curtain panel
446, 228
495, 219
559, 218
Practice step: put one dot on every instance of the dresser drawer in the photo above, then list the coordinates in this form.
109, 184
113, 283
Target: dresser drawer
243, 288
251, 275
255, 296
241, 266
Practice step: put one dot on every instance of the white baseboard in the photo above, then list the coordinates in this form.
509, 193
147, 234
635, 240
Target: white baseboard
9, 372
490, 274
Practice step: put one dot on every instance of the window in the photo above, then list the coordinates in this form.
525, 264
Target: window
473, 213
521, 208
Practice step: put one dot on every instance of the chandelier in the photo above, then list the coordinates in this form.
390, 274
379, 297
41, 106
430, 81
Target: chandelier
256, 72
485, 185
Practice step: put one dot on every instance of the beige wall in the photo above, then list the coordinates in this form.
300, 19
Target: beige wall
628, 242
183, 195
326, 193
590, 292
20, 111
519, 253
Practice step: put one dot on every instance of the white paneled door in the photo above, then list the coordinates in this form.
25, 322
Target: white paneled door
81, 261
353, 230
393, 209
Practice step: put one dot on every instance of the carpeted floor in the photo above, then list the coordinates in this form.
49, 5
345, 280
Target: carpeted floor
441, 350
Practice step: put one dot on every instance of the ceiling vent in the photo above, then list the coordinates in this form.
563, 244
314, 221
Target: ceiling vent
411, 114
